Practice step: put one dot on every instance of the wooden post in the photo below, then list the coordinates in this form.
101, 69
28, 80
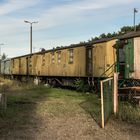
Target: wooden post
102, 106
115, 95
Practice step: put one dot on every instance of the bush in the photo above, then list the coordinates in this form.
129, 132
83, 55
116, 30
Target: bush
81, 85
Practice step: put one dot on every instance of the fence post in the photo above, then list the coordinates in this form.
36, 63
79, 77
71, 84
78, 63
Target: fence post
3, 101
102, 106
115, 95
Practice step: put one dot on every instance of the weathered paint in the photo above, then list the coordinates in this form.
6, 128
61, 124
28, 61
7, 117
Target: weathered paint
129, 58
110, 57
19, 65
104, 55
136, 74
99, 50
15, 66
64, 68
38, 67
33, 64
22, 66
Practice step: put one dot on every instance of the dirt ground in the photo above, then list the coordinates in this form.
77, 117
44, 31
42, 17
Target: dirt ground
58, 119
46, 126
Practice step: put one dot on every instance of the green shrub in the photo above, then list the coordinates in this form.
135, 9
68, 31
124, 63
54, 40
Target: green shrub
81, 85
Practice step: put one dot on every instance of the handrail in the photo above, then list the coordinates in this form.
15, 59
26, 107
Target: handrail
108, 69
98, 80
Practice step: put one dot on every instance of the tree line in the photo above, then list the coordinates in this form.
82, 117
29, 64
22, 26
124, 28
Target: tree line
123, 30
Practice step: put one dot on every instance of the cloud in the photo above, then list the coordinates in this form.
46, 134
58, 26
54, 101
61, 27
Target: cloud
75, 12
53, 18
14, 5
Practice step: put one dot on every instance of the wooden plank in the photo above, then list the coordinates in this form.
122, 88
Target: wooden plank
135, 88
136, 58
115, 95
102, 105
107, 79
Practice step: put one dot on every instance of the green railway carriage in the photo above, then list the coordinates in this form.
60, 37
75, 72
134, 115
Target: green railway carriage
128, 54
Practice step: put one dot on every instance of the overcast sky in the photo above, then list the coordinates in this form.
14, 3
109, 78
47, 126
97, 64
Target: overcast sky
60, 22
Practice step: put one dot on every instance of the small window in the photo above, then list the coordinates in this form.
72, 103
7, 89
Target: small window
19, 62
43, 60
53, 58
30, 61
71, 56
59, 57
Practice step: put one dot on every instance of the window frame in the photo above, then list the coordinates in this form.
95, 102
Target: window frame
59, 57
71, 56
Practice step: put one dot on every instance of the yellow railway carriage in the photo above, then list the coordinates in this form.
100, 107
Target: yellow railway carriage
64, 62
86, 60
104, 58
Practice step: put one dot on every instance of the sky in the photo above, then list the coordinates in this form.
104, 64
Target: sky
60, 22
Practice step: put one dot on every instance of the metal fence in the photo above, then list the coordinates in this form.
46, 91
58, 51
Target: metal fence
109, 98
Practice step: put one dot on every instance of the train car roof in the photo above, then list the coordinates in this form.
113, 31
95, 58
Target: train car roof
129, 35
86, 44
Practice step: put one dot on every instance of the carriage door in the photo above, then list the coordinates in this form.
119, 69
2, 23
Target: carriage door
121, 60
89, 61
27, 66
129, 58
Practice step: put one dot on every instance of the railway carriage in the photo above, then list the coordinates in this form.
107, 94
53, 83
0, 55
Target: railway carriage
88, 61
63, 65
6, 67
128, 54
19, 67
104, 58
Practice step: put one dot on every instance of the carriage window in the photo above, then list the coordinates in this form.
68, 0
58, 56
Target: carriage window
53, 58
43, 60
122, 54
71, 56
59, 57
30, 61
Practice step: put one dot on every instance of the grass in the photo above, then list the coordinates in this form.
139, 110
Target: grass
129, 113
24, 103
28, 102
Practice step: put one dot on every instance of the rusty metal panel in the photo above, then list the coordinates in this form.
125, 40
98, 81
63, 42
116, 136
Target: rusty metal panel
136, 74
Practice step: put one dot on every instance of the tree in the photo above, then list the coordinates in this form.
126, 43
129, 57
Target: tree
103, 35
4, 56
123, 30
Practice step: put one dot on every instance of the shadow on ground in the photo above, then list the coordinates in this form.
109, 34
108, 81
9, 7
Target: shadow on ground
20, 120
93, 108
